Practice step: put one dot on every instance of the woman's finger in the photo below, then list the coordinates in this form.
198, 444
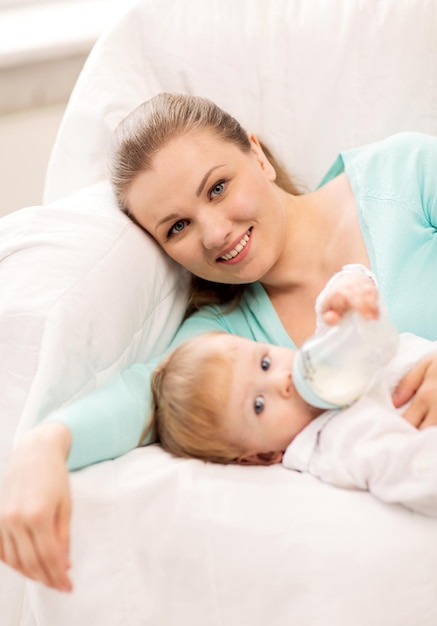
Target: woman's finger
10, 553
62, 525
51, 556
416, 413
430, 419
35, 553
407, 387
420, 386
19, 553
421, 413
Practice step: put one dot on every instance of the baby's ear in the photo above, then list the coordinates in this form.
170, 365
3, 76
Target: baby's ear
261, 458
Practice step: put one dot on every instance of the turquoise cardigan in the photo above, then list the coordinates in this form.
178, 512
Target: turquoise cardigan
395, 187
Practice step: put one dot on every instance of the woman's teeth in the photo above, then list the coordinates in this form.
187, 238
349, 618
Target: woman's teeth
238, 248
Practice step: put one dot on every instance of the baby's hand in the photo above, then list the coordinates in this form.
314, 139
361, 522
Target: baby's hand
351, 291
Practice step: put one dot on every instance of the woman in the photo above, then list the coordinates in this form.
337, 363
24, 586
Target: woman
212, 198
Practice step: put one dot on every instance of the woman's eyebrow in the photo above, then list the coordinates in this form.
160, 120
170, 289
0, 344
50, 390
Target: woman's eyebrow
205, 178
167, 218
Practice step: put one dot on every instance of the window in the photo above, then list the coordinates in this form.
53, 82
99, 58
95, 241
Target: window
31, 30
22, 4
15, 3
7, 4
43, 45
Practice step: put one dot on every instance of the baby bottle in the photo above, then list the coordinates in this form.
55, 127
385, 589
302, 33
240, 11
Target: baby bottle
333, 368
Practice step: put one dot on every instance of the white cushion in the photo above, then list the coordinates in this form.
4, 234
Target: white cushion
84, 292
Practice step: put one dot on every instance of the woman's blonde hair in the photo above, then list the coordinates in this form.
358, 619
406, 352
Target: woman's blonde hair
148, 129
188, 389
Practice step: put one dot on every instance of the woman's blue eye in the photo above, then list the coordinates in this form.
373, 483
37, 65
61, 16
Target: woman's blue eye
218, 189
265, 363
258, 405
177, 228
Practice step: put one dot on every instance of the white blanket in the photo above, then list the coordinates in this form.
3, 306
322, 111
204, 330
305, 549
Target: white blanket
163, 541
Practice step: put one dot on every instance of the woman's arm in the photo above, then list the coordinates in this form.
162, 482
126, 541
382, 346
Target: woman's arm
109, 421
35, 506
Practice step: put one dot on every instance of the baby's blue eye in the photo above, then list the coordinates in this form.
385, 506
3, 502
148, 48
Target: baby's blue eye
265, 363
258, 405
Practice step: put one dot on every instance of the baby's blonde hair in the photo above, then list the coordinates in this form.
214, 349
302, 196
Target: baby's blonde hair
188, 389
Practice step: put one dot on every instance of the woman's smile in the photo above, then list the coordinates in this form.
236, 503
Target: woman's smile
237, 251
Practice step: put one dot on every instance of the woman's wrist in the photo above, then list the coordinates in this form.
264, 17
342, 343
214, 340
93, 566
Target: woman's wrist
54, 435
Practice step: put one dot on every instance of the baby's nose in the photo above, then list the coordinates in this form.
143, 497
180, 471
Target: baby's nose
285, 383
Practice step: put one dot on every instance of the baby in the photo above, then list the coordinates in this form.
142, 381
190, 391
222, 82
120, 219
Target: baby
227, 399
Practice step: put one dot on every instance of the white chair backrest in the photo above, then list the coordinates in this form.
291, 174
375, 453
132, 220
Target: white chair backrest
310, 77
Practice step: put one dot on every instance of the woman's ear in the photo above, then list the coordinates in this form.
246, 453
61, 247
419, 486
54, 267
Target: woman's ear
258, 152
261, 458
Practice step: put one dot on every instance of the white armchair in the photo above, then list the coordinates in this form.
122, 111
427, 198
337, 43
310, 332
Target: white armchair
170, 542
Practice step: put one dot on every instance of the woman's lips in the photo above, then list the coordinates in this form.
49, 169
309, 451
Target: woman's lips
235, 252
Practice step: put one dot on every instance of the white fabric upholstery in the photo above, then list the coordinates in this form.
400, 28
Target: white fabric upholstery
311, 78
83, 292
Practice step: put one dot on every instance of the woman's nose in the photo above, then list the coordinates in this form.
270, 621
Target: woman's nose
215, 231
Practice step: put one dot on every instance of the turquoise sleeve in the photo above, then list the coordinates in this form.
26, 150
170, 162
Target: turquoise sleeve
426, 160
109, 421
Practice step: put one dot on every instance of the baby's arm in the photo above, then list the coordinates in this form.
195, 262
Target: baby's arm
354, 288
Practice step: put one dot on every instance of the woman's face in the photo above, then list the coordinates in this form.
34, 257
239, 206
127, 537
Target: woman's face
213, 208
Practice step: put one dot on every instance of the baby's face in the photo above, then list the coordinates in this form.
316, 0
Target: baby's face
264, 412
